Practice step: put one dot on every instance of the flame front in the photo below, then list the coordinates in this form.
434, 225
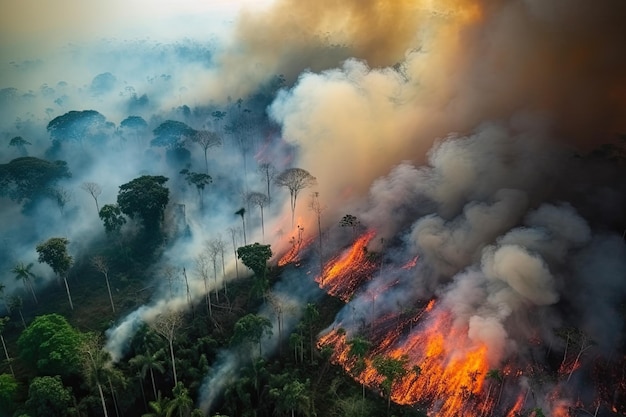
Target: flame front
343, 274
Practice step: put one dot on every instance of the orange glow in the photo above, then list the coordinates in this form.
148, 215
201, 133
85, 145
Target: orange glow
343, 274
444, 367
411, 263
517, 408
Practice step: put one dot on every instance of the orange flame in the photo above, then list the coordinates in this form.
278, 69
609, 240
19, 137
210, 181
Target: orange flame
343, 274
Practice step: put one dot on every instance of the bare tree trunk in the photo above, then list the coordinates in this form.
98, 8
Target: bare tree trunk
69, 296
106, 277
6, 353
173, 361
153, 384
104, 405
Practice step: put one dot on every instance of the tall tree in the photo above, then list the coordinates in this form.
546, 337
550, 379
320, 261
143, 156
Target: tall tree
352, 222
54, 253
206, 139
199, 180
144, 197
318, 208
94, 190
17, 303
251, 328
255, 257
112, 218
260, 200
166, 326
295, 180
268, 173
97, 367
293, 397
3, 322
101, 265
181, 404
242, 212
23, 273
149, 362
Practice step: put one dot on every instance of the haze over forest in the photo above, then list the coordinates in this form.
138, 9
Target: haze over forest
462, 166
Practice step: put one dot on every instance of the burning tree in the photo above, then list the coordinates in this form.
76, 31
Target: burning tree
295, 179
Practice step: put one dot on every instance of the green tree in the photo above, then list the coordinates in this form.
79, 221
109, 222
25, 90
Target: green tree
144, 197
311, 316
295, 180
112, 217
8, 390
171, 134
293, 397
255, 257
199, 180
48, 397
251, 329
17, 303
182, 404
22, 273
149, 362
76, 126
158, 406
54, 253
51, 344
97, 367
29, 178
392, 370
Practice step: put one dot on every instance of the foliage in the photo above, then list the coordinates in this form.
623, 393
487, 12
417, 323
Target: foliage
76, 126
8, 389
112, 217
51, 344
144, 197
48, 397
134, 122
251, 328
54, 253
255, 257
171, 134
29, 178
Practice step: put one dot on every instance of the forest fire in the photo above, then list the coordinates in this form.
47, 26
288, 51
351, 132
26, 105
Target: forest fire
343, 274
443, 367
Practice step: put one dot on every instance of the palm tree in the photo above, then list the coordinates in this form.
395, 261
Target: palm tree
22, 273
149, 362
182, 402
97, 366
4, 297
158, 406
17, 303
